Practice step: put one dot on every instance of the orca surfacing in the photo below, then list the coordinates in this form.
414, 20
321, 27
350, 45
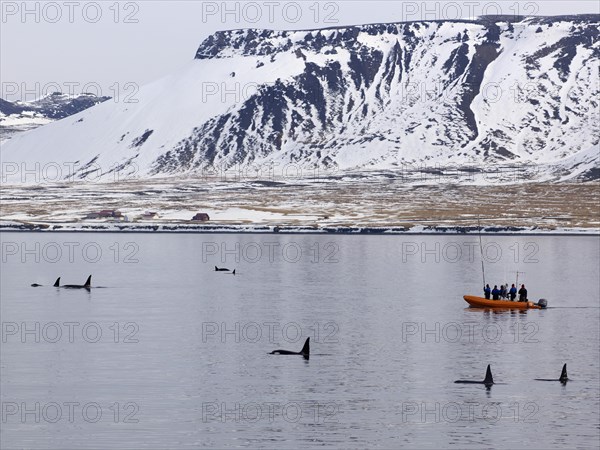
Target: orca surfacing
488, 380
56, 283
304, 352
563, 376
87, 285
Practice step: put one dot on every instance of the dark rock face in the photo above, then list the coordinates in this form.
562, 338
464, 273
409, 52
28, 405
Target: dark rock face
315, 112
54, 106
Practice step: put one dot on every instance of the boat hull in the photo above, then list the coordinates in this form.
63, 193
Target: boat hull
480, 302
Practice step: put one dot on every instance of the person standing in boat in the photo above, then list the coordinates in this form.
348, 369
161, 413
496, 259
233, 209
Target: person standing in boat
495, 293
503, 291
487, 291
522, 294
513, 293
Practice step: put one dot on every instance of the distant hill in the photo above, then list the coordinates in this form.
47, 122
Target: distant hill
19, 116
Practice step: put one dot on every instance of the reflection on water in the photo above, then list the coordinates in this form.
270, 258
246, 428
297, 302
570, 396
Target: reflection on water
173, 354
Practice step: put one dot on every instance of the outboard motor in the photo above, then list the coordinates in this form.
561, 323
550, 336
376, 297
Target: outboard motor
542, 303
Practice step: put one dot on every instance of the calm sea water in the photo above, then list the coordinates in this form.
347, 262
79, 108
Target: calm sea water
164, 352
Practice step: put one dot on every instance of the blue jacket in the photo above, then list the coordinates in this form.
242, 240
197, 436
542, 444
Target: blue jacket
513, 290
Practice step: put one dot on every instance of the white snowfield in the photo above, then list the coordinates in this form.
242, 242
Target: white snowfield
536, 104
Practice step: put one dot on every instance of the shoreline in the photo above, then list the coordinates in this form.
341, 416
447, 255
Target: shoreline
17, 227
371, 208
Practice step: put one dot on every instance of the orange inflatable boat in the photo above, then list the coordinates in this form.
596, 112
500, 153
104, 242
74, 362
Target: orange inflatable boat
480, 302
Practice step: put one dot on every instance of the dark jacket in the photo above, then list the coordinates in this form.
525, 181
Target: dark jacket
486, 291
496, 294
522, 294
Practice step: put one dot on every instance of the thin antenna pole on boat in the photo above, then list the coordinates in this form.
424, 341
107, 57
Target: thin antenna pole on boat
481, 250
522, 273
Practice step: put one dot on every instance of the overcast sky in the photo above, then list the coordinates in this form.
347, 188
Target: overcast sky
62, 43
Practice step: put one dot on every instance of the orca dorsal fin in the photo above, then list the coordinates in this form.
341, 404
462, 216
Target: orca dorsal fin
488, 376
88, 282
563, 374
233, 272
57, 282
306, 349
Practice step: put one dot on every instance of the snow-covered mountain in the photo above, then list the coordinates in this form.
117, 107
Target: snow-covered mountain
490, 91
17, 116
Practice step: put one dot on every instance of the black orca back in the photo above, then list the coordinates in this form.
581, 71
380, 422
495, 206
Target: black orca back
488, 376
563, 374
304, 352
488, 380
306, 349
